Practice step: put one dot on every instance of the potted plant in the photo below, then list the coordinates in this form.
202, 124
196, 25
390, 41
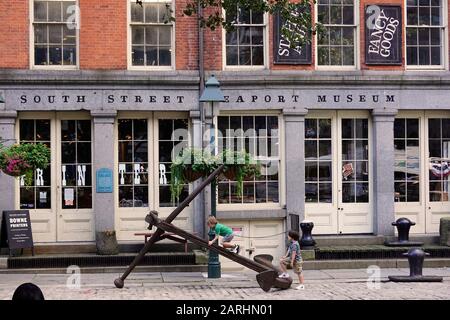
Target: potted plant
106, 242
196, 163
23, 159
239, 165
191, 165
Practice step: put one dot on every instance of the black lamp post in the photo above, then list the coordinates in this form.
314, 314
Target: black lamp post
212, 93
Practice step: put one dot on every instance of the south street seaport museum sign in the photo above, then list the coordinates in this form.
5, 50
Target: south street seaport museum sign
242, 98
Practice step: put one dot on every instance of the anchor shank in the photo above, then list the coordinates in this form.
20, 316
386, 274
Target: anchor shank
167, 227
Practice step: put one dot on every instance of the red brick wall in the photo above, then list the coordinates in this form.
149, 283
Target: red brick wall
186, 39
213, 47
103, 37
14, 34
103, 34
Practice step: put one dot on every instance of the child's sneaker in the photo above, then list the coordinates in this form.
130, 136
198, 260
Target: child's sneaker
235, 249
301, 287
284, 275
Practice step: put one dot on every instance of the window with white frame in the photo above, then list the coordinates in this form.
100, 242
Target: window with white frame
259, 136
245, 44
55, 33
425, 33
336, 45
151, 34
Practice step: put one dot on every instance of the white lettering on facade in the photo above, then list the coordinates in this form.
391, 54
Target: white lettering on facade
137, 170
122, 168
81, 175
162, 174
63, 171
39, 177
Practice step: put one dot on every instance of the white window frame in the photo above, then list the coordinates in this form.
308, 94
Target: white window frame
281, 174
445, 54
226, 67
357, 44
130, 44
32, 46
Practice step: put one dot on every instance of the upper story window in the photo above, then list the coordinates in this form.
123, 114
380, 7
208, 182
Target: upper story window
245, 44
55, 33
151, 34
425, 33
336, 45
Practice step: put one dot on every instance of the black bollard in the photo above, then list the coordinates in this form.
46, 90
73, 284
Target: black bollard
307, 242
403, 226
416, 257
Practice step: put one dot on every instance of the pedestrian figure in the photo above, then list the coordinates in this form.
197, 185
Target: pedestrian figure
293, 258
225, 232
28, 291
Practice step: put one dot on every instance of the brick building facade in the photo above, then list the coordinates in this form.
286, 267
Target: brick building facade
357, 138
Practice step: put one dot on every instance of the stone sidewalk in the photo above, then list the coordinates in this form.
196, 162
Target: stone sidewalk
320, 284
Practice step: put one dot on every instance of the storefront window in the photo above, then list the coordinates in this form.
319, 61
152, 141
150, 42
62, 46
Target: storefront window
336, 45
133, 163
439, 159
172, 138
407, 160
258, 135
245, 45
318, 161
55, 33
76, 164
151, 34
425, 33
38, 194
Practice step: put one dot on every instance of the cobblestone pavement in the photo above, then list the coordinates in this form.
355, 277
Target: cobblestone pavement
320, 284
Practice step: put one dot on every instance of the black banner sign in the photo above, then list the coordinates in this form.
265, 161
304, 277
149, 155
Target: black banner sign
16, 230
383, 35
283, 53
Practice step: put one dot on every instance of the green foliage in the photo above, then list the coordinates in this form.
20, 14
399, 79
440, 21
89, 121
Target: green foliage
192, 160
238, 166
23, 159
297, 16
195, 163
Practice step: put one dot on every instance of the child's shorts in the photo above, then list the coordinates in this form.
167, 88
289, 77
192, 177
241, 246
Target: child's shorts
227, 238
297, 267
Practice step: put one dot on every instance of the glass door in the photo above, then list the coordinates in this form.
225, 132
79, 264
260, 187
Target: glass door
337, 172
408, 169
75, 183
354, 210
438, 162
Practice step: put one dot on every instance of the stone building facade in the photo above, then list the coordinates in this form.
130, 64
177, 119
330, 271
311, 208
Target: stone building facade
354, 128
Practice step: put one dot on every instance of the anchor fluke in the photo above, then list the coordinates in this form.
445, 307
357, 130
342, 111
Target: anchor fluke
266, 279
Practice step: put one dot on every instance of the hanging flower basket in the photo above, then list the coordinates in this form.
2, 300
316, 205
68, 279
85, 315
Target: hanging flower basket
190, 175
22, 160
195, 163
230, 173
15, 166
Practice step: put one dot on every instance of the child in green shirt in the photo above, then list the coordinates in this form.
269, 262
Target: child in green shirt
225, 232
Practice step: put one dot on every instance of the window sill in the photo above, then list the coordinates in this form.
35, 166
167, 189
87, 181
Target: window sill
244, 214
